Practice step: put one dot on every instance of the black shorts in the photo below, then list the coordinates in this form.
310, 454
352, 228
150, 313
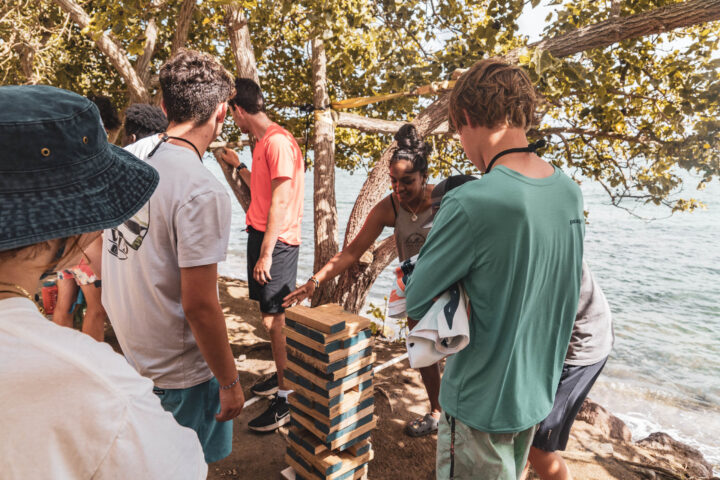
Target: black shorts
283, 272
575, 384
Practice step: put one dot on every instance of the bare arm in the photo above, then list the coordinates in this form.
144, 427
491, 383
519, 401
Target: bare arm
281, 193
377, 219
207, 322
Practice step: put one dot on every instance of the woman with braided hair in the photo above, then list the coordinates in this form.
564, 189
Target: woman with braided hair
408, 211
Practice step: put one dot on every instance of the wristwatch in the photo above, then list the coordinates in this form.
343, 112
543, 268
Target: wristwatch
241, 166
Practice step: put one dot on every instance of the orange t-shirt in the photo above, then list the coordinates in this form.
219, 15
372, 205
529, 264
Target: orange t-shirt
277, 155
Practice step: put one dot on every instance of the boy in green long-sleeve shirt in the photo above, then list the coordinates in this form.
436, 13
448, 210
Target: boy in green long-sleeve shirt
514, 240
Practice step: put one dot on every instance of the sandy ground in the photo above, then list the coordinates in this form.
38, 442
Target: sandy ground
399, 397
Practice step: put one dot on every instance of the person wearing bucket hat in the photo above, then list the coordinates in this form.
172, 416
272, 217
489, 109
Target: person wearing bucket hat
71, 407
160, 267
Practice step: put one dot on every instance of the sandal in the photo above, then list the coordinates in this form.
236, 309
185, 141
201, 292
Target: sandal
422, 426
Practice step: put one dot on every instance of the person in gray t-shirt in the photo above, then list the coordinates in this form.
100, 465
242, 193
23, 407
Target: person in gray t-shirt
590, 344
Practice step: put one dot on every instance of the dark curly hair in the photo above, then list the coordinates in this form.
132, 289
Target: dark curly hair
143, 120
412, 148
193, 85
108, 112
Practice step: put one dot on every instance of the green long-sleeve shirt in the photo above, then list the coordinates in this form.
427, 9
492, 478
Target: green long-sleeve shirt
516, 244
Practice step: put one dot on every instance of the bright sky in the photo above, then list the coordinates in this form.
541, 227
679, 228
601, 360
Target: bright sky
532, 21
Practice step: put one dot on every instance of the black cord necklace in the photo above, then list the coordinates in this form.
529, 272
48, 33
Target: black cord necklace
530, 148
165, 137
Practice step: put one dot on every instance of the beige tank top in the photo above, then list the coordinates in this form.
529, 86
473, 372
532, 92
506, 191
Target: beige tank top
409, 235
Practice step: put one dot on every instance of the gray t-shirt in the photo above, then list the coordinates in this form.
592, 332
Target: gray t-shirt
185, 224
592, 335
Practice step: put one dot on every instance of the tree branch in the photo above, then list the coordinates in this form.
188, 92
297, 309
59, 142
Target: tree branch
182, 25
111, 49
600, 35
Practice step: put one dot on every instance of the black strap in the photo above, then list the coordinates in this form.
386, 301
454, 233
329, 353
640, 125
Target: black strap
530, 148
452, 447
392, 202
165, 137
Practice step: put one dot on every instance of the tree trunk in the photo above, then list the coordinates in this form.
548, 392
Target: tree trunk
112, 50
239, 35
143, 63
353, 287
240, 43
182, 25
357, 281
239, 188
325, 216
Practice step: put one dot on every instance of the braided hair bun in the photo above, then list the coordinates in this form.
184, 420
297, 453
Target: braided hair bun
412, 148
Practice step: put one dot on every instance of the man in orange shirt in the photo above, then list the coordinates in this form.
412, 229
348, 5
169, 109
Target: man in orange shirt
276, 191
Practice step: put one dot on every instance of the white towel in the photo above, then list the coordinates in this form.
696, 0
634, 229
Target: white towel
444, 330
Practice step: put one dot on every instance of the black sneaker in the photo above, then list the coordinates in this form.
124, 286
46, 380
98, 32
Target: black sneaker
267, 387
277, 415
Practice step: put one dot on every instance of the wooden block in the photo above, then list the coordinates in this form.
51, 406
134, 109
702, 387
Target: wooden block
329, 368
351, 399
330, 464
327, 386
316, 345
337, 438
333, 356
338, 423
321, 319
306, 440
353, 323
359, 448
353, 441
360, 360
308, 407
303, 468
323, 397
288, 474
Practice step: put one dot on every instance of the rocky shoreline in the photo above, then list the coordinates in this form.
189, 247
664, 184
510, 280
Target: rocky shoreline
600, 445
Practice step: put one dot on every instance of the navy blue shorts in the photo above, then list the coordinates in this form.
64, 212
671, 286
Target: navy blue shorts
283, 272
575, 384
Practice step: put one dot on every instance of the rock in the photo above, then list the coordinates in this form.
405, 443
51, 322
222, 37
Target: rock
609, 424
692, 460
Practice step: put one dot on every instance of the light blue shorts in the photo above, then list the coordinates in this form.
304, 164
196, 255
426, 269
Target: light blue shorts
195, 408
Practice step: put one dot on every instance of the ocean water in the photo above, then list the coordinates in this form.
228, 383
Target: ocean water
662, 279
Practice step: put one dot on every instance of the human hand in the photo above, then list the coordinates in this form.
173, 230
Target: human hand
232, 401
261, 272
297, 296
228, 156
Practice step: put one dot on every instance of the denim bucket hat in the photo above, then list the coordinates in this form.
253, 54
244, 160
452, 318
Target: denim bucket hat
59, 176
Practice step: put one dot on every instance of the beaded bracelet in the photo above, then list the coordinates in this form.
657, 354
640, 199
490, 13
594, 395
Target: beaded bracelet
315, 281
228, 387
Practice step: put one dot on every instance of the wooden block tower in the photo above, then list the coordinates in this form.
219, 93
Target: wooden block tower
330, 369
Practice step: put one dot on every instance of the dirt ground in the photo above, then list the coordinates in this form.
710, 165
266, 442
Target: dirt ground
399, 397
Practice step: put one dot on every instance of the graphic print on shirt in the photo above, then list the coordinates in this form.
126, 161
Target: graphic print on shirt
130, 234
414, 242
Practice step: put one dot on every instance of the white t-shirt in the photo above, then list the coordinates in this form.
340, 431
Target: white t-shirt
185, 224
71, 408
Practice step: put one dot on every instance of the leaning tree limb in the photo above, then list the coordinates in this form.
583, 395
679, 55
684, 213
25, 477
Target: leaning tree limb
599, 35
115, 54
182, 25
242, 50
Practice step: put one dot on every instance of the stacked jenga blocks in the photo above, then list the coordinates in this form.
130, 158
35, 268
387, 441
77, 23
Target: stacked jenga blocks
330, 369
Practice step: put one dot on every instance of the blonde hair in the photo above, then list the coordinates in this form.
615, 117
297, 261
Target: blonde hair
493, 93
